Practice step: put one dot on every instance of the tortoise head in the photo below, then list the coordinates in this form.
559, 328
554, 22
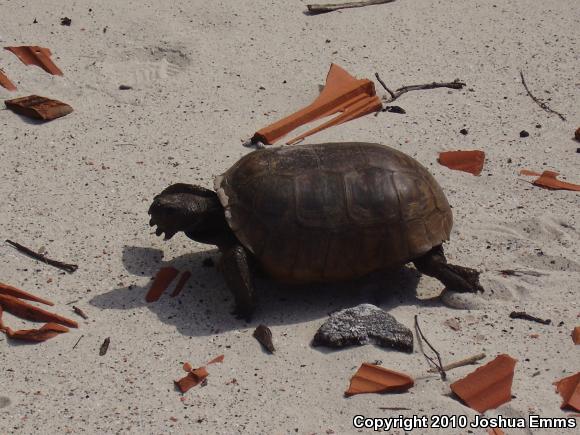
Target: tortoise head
183, 207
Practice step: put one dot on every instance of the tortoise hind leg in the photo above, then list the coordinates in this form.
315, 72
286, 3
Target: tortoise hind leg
455, 278
236, 270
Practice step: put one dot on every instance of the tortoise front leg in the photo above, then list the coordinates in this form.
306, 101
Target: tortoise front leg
455, 278
236, 269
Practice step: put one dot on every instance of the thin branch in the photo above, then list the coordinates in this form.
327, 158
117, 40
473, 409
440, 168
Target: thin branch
78, 341
420, 338
70, 268
539, 102
456, 84
322, 9
525, 316
464, 362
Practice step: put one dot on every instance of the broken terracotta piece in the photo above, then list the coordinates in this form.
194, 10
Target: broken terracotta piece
30, 312
548, 180
46, 332
5, 81
34, 55
489, 386
195, 376
569, 389
181, 283
576, 335
162, 280
466, 161
342, 93
6, 289
577, 133
38, 107
495, 431
371, 378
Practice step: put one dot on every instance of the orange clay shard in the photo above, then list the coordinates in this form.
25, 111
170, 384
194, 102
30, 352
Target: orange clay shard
5, 81
576, 335
46, 332
162, 280
30, 312
34, 55
569, 389
489, 386
466, 161
6, 289
371, 378
548, 180
181, 283
195, 376
342, 93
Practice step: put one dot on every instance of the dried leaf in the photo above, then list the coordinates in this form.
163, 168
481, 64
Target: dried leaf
264, 337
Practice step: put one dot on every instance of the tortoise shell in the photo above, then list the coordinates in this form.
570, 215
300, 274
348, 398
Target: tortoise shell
332, 212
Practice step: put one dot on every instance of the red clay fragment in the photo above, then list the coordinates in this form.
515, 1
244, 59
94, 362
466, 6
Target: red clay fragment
34, 55
569, 389
46, 332
529, 173
489, 386
5, 81
577, 133
576, 335
548, 180
162, 280
217, 359
38, 107
466, 161
495, 431
30, 312
181, 283
371, 378
342, 93
193, 378
6, 289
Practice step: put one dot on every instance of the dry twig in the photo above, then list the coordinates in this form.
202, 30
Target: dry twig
456, 84
471, 360
80, 312
78, 341
322, 9
70, 268
525, 316
420, 338
539, 102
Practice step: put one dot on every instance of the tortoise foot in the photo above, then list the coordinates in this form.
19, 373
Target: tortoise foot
456, 278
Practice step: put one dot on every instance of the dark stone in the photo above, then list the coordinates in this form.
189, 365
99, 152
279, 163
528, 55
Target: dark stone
524, 133
125, 87
364, 324
66, 21
463, 131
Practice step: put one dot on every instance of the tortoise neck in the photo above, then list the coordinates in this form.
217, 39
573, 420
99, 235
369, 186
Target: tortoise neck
213, 228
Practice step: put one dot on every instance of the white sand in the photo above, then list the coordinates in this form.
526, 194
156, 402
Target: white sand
81, 185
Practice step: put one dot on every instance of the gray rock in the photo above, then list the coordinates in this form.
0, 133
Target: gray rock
364, 324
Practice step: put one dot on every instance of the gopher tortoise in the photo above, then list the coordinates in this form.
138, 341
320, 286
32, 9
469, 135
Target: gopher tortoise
317, 213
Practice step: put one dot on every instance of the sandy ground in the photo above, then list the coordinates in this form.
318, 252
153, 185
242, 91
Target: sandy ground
205, 76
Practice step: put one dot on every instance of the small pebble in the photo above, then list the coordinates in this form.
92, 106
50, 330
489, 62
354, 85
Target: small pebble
524, 133
463, 131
